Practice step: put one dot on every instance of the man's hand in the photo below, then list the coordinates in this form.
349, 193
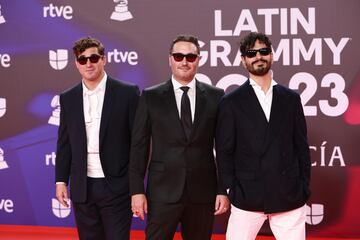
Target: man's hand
62, 194
222, 204
139, 205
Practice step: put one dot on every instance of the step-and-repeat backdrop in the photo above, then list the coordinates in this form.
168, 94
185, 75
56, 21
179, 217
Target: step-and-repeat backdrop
316, 52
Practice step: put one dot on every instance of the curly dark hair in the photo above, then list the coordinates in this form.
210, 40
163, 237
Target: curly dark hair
87, 42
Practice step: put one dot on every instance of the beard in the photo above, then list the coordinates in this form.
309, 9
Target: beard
260, 70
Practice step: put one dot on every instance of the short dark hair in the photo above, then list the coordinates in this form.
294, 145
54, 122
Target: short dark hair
87, 42
249, 40
186, 38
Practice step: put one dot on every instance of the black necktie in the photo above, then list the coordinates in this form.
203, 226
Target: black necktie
186, 112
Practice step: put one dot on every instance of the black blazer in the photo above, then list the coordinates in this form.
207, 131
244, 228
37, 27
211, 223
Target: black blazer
120, 102
175, 161
266, 165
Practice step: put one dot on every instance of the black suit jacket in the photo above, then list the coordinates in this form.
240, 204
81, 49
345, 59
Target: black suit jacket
120, 102
266, 165
175, 161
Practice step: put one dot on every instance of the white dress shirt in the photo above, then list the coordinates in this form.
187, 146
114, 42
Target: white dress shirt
191, 93
93, 103
265, 99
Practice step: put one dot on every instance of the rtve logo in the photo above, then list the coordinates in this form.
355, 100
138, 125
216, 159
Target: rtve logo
130, 57
59, 59
58, 11
2, 19
3, 164
2, 107
314, 214
59, 210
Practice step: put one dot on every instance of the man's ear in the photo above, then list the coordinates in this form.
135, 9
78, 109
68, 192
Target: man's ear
105, 60
170, 60
243, 61
77, 64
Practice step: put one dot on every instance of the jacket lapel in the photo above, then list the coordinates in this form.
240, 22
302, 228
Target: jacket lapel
169, 101
108, 105
253, 111
275, 122
200, 105
251, 106
79, 112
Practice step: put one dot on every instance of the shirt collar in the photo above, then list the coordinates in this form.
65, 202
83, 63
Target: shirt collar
255, 84
177, 85
99, 88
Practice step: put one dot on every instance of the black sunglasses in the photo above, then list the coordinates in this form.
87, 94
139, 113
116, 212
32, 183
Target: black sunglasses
178, 57
94, 58
252, 52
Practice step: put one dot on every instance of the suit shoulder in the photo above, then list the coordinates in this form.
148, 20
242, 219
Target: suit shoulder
122, 84
237, 92
124, 89
286, 91
211, 89
71, 91
157, 88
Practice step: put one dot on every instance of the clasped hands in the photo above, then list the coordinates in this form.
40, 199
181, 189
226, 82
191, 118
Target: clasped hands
139, 205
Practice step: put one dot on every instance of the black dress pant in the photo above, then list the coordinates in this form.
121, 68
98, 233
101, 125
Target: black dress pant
196, 220
105, 215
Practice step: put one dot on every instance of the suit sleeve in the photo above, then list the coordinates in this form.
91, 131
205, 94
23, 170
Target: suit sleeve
225, 144
140, 145
63, 149
220, 188
134, 99
301, 143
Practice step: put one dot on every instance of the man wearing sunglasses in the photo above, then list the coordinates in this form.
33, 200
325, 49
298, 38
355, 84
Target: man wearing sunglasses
262, 150
179, 117
93, 147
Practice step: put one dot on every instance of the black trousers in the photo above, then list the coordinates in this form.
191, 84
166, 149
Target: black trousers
105, 215
196, 220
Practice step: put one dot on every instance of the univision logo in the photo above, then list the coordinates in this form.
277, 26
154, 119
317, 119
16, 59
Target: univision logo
59, 59
314, 214
59, 210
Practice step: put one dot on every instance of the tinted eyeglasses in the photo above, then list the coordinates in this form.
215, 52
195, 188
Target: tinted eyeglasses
178, 57
94, 58
252, 52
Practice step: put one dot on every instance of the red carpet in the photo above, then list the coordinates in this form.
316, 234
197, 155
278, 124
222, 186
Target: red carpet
14, 232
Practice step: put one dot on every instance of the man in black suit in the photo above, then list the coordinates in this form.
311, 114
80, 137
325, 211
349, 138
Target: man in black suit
262, 150
179, 118
93, 147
